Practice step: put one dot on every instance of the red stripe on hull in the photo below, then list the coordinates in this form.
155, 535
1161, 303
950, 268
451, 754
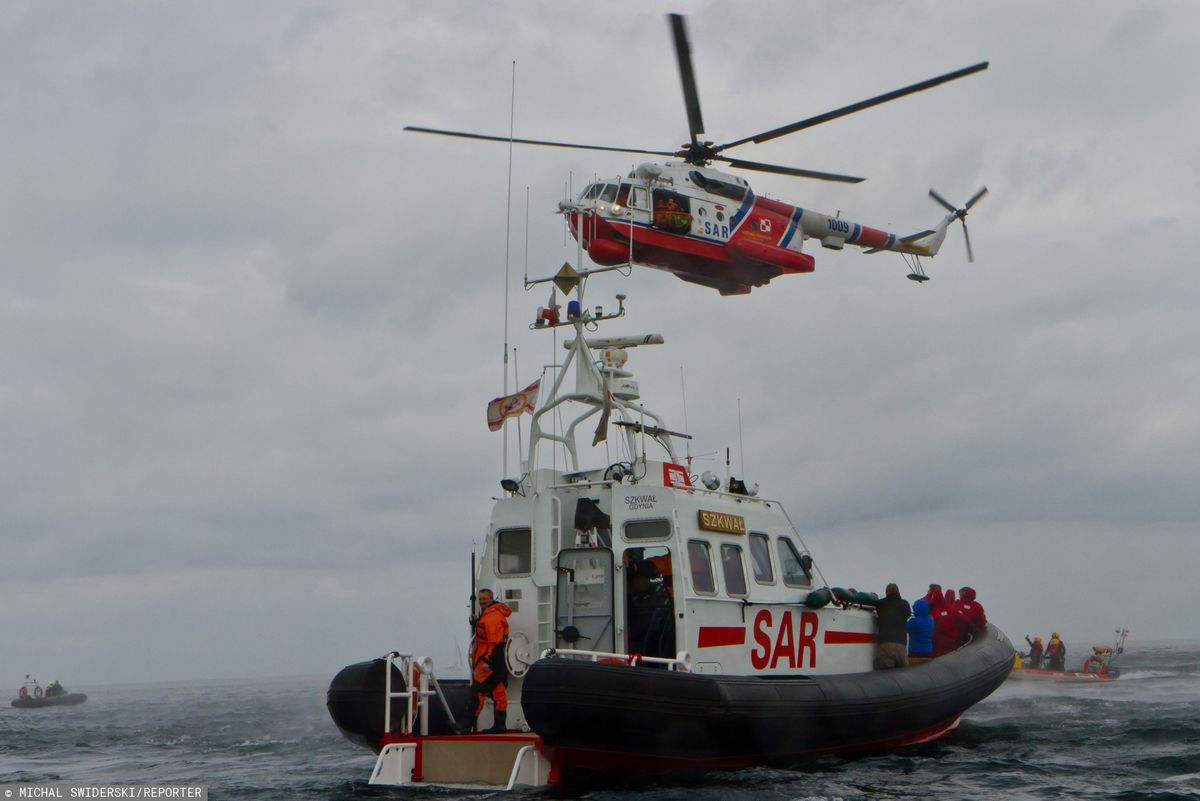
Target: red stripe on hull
848, 638
716, 636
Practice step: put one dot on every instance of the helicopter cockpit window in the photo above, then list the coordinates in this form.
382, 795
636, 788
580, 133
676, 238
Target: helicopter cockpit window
623, 195
592, 192
637, 198
608, 193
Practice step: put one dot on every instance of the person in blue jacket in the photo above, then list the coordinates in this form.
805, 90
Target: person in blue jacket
920, 633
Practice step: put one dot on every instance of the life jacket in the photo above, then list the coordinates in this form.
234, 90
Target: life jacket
491, 636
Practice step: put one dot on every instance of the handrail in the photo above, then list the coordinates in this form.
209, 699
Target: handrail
416, 700
681, 661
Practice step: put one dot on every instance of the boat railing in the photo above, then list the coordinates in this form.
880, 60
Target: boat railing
418, 679
680, 662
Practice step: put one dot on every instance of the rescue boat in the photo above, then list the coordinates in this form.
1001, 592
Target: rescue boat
31, 695
660, 620
1097, 668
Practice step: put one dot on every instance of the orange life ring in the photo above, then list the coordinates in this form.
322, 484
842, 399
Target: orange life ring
24, 692
37, 692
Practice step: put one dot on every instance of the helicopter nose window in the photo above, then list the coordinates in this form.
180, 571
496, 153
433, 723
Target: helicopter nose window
608, 193
591, 192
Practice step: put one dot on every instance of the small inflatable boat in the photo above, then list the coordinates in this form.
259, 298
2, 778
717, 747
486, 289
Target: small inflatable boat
31, 702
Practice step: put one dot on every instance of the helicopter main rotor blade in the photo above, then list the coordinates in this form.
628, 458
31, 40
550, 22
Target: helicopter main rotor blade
967, 239
795, 171
541, 142
946, 204
853, 107
975, 198
691, 99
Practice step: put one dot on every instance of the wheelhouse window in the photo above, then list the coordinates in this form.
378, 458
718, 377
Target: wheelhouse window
760, 558
734, 571
789, 565
700, 559
514, 551
647, 529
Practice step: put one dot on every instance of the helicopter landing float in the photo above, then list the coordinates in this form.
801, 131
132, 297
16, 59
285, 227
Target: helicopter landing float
707, 226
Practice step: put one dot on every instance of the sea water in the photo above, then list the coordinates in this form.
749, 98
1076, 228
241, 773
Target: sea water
1135, 738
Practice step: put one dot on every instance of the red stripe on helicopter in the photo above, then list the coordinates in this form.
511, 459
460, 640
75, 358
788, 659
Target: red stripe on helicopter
849, 638
716, 636
870, 237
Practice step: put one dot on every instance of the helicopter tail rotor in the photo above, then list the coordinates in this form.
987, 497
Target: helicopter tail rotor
960, 214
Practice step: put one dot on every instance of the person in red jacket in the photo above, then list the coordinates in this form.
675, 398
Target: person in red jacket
949, 629
972, 612
934, 597
489, 670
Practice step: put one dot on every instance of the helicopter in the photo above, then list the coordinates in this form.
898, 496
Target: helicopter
708, 226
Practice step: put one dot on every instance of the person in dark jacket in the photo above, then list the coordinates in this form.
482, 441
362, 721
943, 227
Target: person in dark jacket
972, 612
1034, 660
949, 628
891, 647
1056, 653
920, 633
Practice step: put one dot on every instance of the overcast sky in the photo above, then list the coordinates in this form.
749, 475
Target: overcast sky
250, 326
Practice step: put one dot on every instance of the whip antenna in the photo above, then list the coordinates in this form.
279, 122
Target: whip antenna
512, 114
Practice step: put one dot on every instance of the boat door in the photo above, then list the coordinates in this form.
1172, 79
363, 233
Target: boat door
584, 601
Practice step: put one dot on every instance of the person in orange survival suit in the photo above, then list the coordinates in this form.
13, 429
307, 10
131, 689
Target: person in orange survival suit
489, 671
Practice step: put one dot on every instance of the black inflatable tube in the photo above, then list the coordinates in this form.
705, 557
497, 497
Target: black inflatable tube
355, 702
591, 713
